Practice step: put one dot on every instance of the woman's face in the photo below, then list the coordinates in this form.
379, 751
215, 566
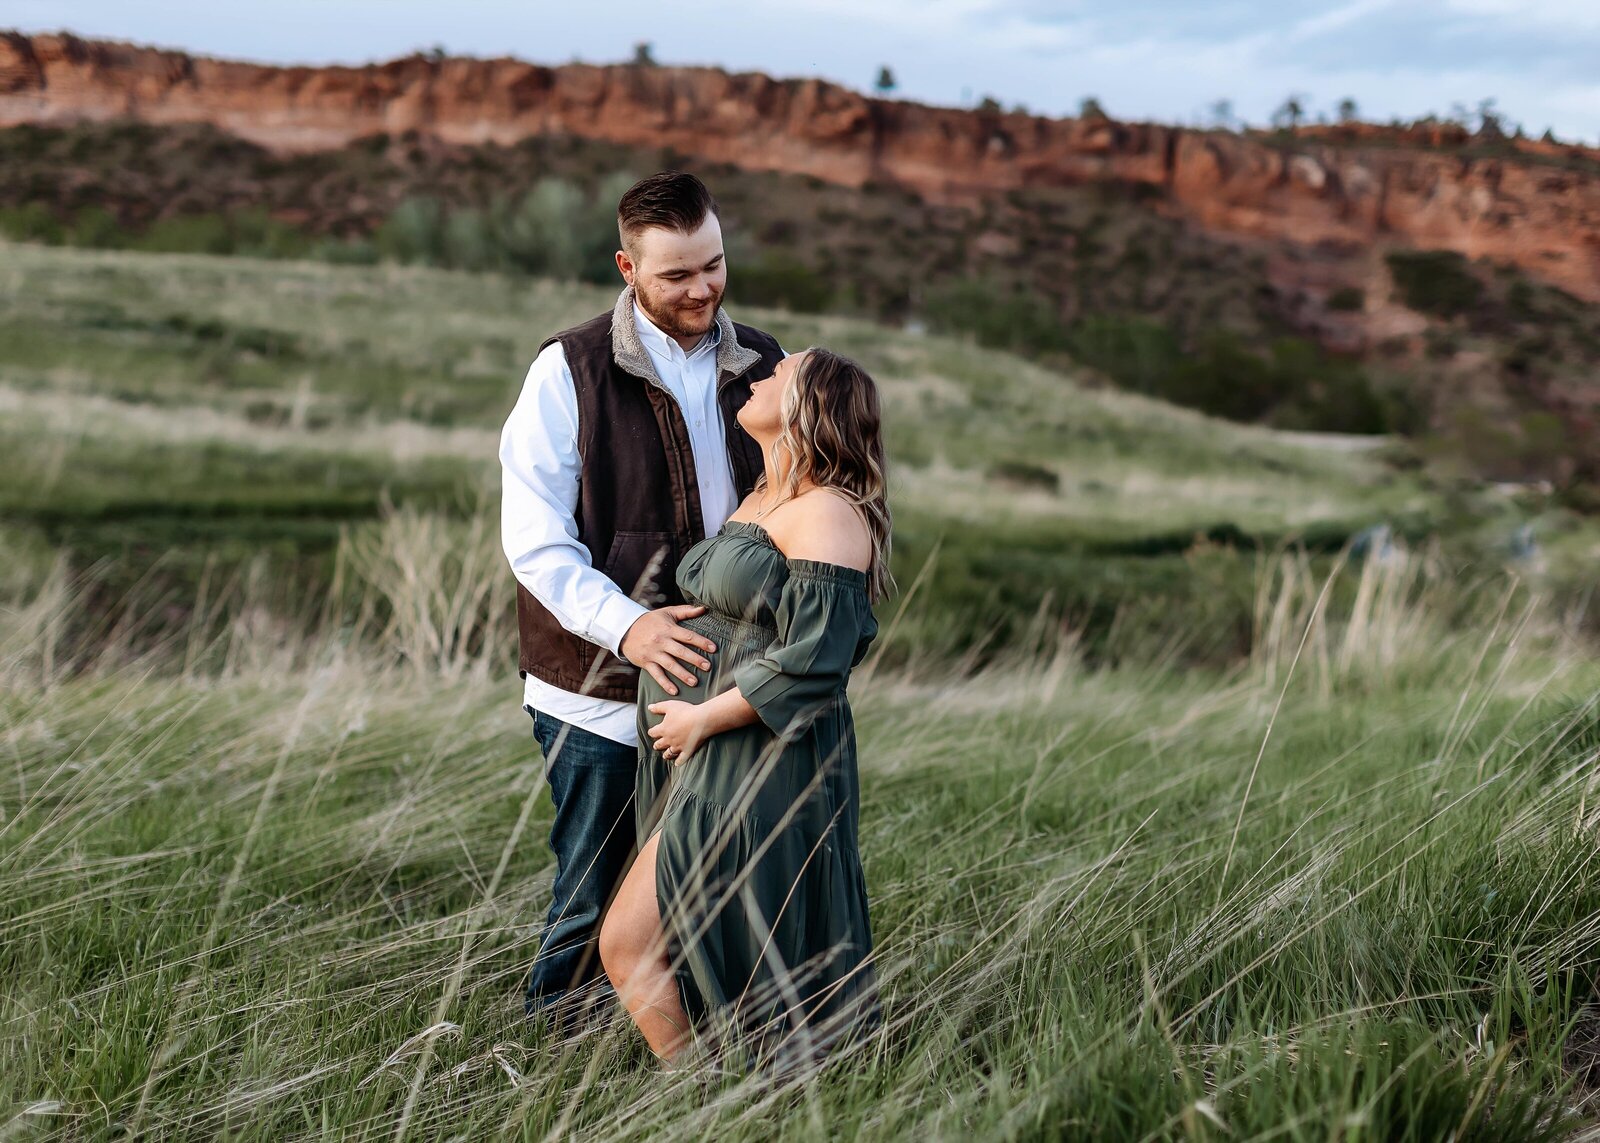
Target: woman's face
762, 415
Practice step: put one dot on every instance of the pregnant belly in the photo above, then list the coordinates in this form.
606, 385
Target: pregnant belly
736, 643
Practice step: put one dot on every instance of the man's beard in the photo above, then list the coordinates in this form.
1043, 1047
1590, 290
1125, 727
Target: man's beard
675, 323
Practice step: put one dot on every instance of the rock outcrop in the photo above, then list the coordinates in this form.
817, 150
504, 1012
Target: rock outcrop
1534, 206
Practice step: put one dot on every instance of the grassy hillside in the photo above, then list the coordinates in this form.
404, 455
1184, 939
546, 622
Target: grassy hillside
171, 419
1488, 366
271, 823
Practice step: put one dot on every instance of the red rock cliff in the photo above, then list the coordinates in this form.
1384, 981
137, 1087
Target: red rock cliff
1523, 209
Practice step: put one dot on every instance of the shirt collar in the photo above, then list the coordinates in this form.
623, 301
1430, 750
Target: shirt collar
661, 345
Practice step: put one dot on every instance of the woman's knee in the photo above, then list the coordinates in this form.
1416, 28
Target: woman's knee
620, 947
624, 940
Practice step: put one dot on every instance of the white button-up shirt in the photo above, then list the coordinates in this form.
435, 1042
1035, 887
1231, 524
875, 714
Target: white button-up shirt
539, 466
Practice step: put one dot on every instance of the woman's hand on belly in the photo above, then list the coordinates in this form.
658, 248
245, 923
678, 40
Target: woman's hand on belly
684, 726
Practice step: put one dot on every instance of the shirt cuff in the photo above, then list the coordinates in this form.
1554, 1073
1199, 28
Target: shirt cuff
610, 626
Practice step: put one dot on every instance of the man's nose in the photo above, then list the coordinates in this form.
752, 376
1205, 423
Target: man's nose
699, 290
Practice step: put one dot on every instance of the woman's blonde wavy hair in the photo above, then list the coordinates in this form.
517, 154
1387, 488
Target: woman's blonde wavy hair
832, 428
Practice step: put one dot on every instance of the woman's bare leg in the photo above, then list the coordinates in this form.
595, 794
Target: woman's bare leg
633, 949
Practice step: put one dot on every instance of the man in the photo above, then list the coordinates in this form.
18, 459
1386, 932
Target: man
622, 452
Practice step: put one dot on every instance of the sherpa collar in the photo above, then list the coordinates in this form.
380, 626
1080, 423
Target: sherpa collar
732, 358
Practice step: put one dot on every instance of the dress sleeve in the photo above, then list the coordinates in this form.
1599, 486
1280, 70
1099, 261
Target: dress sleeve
824, 624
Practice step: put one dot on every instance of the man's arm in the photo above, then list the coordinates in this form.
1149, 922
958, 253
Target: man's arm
540, 468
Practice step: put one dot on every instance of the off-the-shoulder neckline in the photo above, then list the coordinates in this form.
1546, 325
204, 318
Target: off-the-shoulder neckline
805, 566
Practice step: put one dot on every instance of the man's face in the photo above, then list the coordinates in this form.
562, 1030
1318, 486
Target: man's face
678, 278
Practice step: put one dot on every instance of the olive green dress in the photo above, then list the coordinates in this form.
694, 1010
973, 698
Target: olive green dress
757, 873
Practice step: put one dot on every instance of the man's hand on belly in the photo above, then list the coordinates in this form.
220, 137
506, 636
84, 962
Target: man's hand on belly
659, 644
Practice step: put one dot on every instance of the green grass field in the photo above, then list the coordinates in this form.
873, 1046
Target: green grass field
1180, 819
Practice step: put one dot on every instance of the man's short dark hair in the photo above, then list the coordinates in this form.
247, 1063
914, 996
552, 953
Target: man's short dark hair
671, 200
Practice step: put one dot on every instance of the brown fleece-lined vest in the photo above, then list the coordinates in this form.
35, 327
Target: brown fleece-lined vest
638, 498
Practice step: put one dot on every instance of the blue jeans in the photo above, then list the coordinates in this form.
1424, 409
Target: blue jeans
591, 782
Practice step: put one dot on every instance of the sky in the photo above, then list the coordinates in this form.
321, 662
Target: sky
1166, 60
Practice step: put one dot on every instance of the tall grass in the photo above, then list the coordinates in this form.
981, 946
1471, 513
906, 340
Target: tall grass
1402, 610
415, 590
444, 582
290, 891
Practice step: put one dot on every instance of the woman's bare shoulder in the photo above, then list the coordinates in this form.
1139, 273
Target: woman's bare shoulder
823, 525
747, 509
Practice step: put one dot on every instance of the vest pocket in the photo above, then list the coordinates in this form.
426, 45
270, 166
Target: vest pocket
642, 564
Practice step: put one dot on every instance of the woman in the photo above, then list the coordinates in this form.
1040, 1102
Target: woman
745, 913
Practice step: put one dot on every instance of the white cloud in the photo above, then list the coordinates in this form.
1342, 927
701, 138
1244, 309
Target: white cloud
1341, 17
1568, 16
989, 23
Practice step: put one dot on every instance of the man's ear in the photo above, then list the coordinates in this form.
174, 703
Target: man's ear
625, 266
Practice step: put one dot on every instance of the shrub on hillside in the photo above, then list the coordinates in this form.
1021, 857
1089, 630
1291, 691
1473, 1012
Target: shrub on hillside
1347, 299
1438, 282
97, 228
469, 241
781, 280
1521, 300
414, 232
1581, 496
1138, 353
253, 232
32, 222
1224, 377
541, 230
995, 315
1024, 474
1321, 393
556, 230
187, 234
1500, 448
354, 252
256, 234
1440, 344
1295, 385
